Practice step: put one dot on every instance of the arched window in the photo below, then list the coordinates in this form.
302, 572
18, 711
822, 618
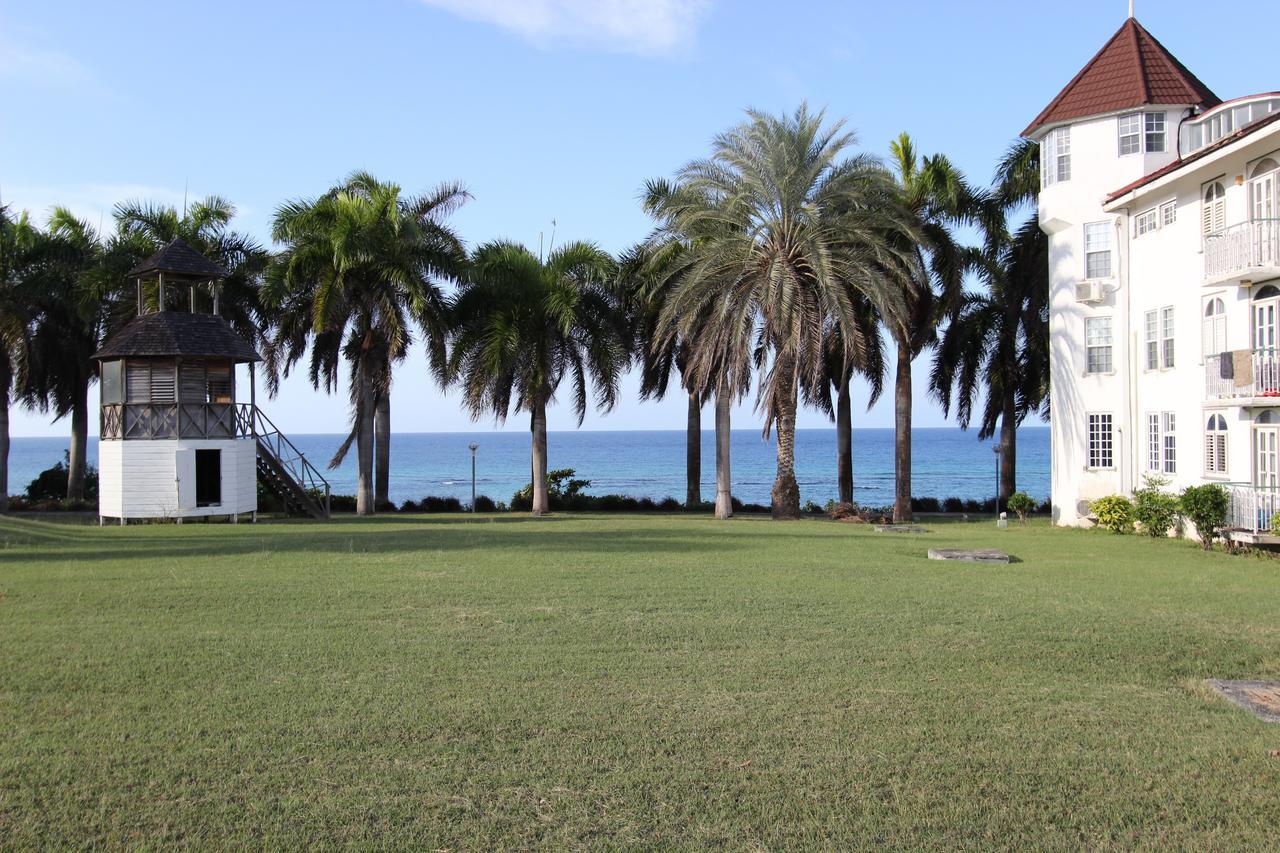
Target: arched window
1213, 338
1213, 213
1266, 417
1215, 445
1267, 164
1267, 291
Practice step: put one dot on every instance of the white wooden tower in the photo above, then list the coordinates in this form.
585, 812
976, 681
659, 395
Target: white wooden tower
174, 442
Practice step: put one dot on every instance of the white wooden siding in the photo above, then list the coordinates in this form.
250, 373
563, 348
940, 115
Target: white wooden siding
139, 479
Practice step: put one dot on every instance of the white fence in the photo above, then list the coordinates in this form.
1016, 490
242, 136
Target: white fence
1249, 374
1251, 508
1243, 247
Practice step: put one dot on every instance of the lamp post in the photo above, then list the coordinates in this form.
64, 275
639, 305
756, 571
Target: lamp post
473, 447
996, 449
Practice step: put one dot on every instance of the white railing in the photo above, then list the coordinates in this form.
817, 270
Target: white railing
1242, 248
1248, 374
1251, 508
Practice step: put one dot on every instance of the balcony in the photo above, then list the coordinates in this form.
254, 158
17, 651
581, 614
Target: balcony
1249, 513
1243, 378
152, 421
1243, 254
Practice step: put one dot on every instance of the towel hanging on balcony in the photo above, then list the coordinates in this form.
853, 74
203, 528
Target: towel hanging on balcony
1225, 366
1243, 366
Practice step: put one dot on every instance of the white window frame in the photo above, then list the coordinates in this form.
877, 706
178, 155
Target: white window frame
1162, 442
1097, 337
1168, 213
1168, 349
1213, 209
1129, 134
1055, 156
1151, 339
1100, 441
1213, 327
1154, 129
1215, 447
1145, 222
1097, 243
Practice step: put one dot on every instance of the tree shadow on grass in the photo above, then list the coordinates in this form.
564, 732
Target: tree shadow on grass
30, 541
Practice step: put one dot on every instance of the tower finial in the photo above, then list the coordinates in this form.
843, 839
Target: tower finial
1130, 8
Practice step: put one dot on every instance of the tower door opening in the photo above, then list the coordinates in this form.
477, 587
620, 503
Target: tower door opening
208, 477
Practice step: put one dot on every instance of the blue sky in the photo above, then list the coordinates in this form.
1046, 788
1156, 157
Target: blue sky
545, 109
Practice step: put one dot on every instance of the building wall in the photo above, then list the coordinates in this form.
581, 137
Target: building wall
1149, 272
140, 479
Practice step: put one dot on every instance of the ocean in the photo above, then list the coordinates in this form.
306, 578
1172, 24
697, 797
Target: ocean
947, 462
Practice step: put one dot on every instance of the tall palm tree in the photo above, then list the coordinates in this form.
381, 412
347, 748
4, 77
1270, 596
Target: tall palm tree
644, 273
779, 223
359, 273
67, 306
522, 326
20, 248
937, 197
863, 356
998, 341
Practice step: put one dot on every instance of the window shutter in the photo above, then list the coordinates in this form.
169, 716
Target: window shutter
162, 382
191, 378
138, 381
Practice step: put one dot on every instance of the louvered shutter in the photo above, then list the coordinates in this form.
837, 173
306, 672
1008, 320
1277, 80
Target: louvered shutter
138, 381
162, 382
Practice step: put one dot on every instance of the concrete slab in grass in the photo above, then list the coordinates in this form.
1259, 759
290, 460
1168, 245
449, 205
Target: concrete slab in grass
966, 555
899, 528
1260, 698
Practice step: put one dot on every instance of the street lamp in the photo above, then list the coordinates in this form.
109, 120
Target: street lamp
473, 447
996, 449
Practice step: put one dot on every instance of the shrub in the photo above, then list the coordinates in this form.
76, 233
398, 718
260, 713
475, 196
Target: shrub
484, 503
811, 508
1275, 522
1022, 504
926, 505
838, 511
1114, 512
341, 503
562, 489
1155, 510
670, 505
1206, 507
953, 505
51, 483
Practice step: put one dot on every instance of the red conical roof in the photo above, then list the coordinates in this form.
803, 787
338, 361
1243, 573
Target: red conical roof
1131, 70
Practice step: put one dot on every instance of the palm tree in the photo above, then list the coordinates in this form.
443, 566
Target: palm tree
936, 196
359, 272
998, 342
644, 273
522, 325
778, 223
67, 308
20, 247
863, 356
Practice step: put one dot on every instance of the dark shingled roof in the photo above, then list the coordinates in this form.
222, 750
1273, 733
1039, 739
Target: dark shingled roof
179, 259
1131, 70
176, 333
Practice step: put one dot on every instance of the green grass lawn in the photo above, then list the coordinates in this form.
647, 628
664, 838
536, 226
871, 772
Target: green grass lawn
628, 681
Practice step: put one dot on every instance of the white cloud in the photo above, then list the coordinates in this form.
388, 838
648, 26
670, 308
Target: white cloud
23, 60
93, 203
646, 27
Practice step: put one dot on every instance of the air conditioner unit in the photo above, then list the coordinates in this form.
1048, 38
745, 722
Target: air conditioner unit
1091, 292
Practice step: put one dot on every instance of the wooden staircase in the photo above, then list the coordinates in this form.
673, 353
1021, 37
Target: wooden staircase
286, 472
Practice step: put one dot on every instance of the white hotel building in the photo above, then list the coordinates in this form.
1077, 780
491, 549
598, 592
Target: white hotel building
1161, 203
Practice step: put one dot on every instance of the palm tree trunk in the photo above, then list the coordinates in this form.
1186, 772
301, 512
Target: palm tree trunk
693, 453
786, 492
364, 440
539, 425
382, 449
1008, 449
79, 443
724, 477
844, 442
902, 436
6, 386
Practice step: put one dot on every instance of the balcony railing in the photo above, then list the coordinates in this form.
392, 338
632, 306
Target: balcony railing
176, 420
1242, 249
1251, 508
1242, 374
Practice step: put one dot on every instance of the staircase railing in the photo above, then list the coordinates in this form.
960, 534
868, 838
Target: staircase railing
293, 460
